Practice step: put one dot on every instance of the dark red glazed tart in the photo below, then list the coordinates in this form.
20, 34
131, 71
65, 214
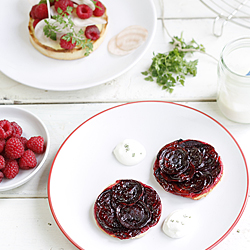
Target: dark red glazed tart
127, 209
188, 168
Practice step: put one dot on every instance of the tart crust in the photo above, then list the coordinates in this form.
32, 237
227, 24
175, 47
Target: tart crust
64, 54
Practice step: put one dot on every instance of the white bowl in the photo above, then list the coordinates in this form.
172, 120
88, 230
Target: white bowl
32, 126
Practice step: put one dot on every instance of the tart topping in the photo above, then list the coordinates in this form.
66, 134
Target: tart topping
99, 10
127, 192
62, 6
83, 11
92, 32
70, 21
67, 44
40, 11
135, 216
90, 3
188, 168
127, 209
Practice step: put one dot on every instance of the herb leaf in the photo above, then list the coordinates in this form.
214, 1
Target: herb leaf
170, 69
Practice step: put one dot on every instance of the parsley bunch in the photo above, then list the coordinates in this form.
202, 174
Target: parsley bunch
170, 69
63, 20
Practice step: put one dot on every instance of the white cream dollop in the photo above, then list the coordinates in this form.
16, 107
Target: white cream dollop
129, 152
178, 224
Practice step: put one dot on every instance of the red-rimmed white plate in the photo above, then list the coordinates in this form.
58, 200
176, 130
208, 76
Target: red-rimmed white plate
31, 126
85, 165
23, 63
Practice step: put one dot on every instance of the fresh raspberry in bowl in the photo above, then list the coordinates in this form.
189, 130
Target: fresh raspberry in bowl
14, 148
2, 145
28, 160
17, 130
36, 144
2, 162
5, 129
11, 169
18, 164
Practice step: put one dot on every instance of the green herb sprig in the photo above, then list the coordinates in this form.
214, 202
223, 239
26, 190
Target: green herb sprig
50, 30
171, 68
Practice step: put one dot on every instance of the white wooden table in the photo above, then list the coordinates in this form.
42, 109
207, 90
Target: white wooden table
26, 220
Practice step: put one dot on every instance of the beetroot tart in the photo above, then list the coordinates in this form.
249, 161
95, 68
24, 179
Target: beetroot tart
127, 209
188, 168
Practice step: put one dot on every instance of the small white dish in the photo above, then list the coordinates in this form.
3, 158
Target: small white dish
32, 126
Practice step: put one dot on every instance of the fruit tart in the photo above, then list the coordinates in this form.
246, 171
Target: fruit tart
66, 29
127, 209
188, 168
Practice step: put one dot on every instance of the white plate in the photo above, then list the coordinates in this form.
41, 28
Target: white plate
32, 126
85, 165
26, 65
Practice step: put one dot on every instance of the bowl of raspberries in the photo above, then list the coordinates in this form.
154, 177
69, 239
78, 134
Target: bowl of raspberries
24, 146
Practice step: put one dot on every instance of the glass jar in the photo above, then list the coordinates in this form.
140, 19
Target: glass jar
234, 80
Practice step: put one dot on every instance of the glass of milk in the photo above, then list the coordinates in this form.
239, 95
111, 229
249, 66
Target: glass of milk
234, 80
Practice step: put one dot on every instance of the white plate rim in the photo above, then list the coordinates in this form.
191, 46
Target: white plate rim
154, 101
107, 79
41, 164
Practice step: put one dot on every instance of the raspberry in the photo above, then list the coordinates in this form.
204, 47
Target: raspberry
2, 145
28, 160
92, 32
17, 130
35, 22
63, 4
41, 11
97, 11
1, 176
83, 11
13, 148
23, 141
5, 129
32, 12
67, 44
36, 144
11, 169
2, 162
